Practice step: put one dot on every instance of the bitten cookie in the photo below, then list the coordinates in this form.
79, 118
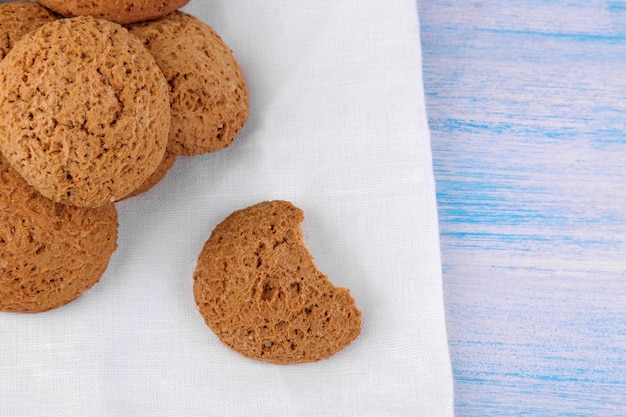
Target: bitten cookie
208, 95
119, 11
19, 18
84, 111
257, 288
50, 253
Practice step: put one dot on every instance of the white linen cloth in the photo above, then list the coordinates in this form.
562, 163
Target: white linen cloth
338, 127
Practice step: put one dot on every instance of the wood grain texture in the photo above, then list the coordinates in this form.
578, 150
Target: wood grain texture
527, 110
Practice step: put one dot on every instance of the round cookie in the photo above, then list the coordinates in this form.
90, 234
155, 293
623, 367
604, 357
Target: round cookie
119, 11
19, 18
257, 288
208, 94
168, 161
84, 111
50, 253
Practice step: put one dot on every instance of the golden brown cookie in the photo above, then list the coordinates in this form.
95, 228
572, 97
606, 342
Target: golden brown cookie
84, 111
208, 95
119, 11
19, 18
168, 161
257, 288
50, 253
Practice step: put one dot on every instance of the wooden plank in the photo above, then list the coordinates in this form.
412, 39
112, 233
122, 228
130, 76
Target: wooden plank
527, 110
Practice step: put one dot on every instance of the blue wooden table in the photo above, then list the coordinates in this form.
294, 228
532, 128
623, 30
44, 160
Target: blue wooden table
527, 109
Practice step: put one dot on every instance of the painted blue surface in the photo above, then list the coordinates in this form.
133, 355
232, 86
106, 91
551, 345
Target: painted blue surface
527, 110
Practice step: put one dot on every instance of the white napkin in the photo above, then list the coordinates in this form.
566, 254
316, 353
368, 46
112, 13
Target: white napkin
337, 127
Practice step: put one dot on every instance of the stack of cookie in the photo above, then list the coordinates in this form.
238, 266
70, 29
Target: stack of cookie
96, 101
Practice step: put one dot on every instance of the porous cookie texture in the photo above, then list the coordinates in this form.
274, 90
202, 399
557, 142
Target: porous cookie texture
84, 111
19, 18
50, 253
258, 289
168, 161
208, 94
119, 11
